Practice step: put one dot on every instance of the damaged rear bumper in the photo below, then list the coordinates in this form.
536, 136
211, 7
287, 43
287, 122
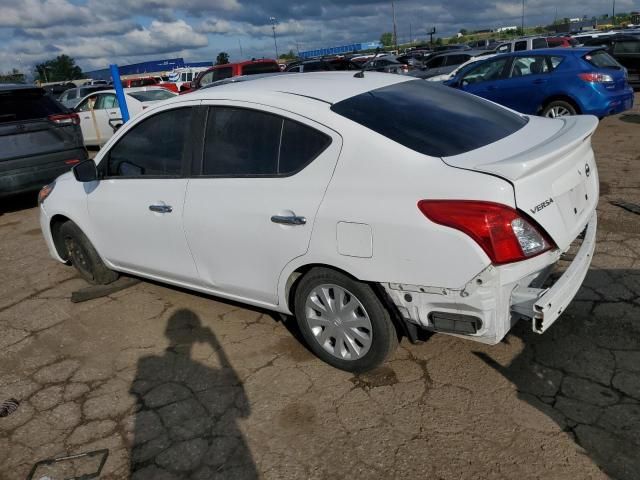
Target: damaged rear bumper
488, 306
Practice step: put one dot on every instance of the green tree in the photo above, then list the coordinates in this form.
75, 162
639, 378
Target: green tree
438, 41
288, 56
222, 58
386, 39
463, 31
15, 76
58, 69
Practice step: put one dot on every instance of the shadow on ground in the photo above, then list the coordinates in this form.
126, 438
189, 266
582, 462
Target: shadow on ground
18, 202
630, 118
584, 372
186, 423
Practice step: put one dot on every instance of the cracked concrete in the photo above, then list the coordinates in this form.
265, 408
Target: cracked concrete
178, 385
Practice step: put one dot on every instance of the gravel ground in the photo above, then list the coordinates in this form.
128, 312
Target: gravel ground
176, 384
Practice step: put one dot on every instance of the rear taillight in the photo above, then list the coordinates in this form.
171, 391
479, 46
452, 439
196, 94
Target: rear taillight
503, 233
593, 77
65, 119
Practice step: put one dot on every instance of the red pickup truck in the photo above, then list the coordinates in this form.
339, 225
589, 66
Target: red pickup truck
227, 70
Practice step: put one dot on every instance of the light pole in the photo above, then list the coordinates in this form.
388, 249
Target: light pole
613, 13
395, 33
274, 22
522, 22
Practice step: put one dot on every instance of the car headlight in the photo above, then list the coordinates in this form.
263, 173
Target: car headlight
45, 192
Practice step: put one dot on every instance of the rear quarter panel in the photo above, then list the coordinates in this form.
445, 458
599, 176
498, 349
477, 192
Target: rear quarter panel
378, 183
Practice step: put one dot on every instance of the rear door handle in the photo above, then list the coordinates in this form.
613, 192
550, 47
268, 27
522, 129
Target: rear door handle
288, 219
161, 208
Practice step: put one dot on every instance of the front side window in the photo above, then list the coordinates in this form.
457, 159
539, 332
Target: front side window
152, 148
486, 71
522, 45
206, 79
523, 66
243, 142
457, 59
436, 62
106, 101
506, 48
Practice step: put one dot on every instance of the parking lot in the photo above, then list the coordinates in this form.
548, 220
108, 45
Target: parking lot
164, 378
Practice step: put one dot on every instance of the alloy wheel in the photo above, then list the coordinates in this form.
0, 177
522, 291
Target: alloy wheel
558, 111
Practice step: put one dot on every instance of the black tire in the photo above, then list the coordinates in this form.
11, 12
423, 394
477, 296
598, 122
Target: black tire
560, 105
384, 337
84, 257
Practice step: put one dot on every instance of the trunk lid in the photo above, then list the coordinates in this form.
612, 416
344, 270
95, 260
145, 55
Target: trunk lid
552, 168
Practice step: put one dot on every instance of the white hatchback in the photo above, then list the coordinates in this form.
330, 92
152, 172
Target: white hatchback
369, 207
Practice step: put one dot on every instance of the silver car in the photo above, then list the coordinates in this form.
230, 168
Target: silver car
70, 98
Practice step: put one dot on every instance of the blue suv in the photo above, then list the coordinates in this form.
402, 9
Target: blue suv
551, 81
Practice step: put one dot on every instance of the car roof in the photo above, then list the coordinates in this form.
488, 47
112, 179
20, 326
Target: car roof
328, 87
461, 52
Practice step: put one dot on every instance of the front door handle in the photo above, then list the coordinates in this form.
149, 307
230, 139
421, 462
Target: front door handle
288, 219
161, 208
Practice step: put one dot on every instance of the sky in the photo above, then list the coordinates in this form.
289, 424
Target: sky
99, 32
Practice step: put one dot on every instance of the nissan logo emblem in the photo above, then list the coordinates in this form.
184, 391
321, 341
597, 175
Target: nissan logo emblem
587, 169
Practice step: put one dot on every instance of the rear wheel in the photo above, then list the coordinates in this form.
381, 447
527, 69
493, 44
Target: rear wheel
84, 257
343, 321
559, 108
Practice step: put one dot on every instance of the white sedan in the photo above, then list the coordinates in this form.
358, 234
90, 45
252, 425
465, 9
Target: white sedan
369, 207
100, 115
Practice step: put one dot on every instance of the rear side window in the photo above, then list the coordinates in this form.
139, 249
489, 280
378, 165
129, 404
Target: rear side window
627, 46
105, 101
601, 59
151, 95
206, 79
154, 147
457, 59
32, 104
522, 45
436, 62
433, 120
540, 43
260, 67
244, 142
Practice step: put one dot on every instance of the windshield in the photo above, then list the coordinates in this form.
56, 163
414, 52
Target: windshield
431, 119
151, 95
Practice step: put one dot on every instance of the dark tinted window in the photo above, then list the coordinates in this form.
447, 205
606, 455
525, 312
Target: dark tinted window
314, 67
152, 95
300, 145
457, 59
17, 105
262, 67
243, 142
539, 43
601, 59
221, 73
431, 119
522, 45
436, 62
152, 148
627, 46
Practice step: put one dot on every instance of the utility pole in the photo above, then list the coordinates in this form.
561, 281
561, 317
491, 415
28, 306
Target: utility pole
522, 22
613, 13
395, 33
274, 22
410, 35
240, 45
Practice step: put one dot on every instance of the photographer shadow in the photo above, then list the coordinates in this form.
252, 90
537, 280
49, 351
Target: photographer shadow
186, 423
584, 372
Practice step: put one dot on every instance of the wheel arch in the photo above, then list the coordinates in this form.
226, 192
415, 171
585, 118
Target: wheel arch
55, 224
563, 97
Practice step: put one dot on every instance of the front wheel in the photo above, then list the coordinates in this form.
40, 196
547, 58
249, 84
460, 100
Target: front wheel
343, 321
559, 108
84, 257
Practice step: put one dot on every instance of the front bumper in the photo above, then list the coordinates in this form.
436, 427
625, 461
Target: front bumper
498, 296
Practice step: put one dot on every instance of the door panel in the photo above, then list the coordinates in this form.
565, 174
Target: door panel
239, 248
136, 210
527, 85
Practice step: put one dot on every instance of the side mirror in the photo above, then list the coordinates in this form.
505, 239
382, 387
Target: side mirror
86, 171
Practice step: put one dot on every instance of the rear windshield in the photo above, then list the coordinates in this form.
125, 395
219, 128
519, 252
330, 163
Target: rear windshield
262, 67
20, 105
431, 119
151, 95
601, 59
